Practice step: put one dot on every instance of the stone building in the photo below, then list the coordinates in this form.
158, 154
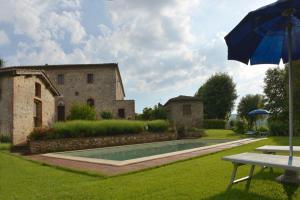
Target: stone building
98, 85
185, 111
27, 100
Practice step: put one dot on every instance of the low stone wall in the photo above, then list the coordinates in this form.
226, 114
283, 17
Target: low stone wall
46, 146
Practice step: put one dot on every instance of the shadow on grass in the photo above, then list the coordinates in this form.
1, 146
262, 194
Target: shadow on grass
246, 194
238, 195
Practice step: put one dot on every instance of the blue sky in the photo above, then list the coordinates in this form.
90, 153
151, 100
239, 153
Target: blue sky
164, 48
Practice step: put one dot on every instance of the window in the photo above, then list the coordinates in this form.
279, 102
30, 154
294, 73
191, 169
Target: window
60, 79
37, 113
121, 113
90, 78
187, 109
76, 93
38, 92
91, 102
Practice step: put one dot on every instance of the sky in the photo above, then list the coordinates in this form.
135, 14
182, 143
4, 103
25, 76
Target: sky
164, 48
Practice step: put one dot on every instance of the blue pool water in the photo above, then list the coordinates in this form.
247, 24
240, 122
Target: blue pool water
121, 153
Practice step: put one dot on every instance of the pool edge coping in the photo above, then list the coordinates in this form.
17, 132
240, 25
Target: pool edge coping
148, 158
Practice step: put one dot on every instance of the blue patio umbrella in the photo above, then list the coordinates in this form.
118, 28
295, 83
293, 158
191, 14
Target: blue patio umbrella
258, 112
266, 36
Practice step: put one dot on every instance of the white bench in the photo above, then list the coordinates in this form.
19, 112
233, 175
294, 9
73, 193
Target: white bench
268, 149
255, 159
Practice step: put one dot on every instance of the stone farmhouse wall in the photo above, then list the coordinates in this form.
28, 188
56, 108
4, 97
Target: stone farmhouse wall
24, 107
17, 107
175, 113
106, 89
47, 146
6, 106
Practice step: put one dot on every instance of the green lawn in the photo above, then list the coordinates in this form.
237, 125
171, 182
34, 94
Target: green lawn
222, 134
204, 177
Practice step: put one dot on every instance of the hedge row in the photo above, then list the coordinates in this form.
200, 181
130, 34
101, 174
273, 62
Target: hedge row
81, 128
214, 124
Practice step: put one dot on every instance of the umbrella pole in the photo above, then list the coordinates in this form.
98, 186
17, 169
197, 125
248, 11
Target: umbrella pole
289, 176
291, 127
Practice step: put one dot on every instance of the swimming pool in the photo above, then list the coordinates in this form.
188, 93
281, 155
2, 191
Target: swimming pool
129, 154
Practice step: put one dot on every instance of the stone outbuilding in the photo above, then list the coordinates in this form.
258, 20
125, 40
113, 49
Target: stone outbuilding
27, 100
185, 111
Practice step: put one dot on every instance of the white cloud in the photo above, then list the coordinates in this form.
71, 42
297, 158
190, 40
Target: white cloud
166, 47
3, 38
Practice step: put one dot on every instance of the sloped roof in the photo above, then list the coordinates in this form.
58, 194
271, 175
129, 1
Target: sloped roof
13, 71
183, 98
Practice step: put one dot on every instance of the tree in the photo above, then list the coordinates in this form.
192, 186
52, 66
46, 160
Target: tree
157, 112
247, 104
219, 95
276, 93
1, 62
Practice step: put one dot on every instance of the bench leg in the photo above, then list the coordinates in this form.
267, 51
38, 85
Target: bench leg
233, 175
247, 178
250, 177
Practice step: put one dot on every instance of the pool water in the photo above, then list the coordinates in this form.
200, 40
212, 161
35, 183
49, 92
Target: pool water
122, 153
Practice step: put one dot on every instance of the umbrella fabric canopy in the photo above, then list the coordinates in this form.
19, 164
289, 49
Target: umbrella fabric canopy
267, 35
258, 112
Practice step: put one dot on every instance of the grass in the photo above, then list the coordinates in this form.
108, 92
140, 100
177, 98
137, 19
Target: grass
204, 177
222, 134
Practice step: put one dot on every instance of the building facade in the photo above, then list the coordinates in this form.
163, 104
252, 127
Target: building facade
98, 85
27, 100
35, 96
185, 111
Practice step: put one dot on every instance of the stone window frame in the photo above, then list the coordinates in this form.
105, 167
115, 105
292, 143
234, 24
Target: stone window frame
186, 109
90, 78
60, 79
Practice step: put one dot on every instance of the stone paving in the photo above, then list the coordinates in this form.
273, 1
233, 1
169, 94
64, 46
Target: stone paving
110, 170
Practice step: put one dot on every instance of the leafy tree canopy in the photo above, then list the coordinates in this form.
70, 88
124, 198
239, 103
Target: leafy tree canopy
218, 94
247, 104
276, 93
157, 112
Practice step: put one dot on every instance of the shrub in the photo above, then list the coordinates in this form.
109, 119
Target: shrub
40, 133
278, 128
80, 128
263, 129
82, 112
5, 138
231, 123
240, 126
106, 115
214, 124
158, 126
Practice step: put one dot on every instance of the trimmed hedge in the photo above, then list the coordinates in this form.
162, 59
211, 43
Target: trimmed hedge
214, 124
158, 126
82, 128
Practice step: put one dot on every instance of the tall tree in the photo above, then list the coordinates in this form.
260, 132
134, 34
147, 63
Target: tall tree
247, 104
1, 62
276, 93
219, 95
